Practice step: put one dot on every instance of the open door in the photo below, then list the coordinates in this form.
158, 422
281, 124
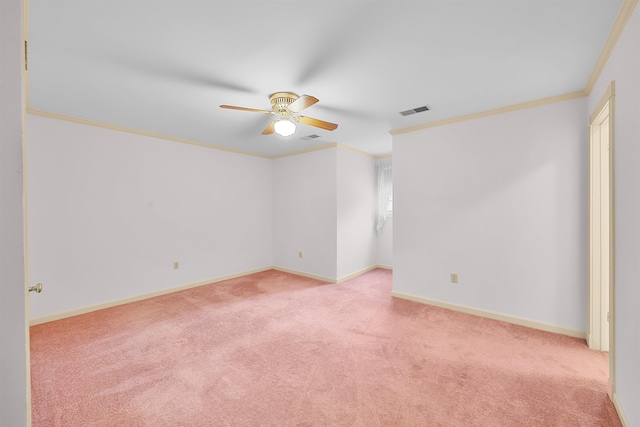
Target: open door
601, 266
15, 387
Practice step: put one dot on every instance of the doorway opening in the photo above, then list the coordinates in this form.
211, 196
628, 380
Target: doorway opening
601, 237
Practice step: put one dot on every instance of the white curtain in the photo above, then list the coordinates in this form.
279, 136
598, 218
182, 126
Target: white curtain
384, 192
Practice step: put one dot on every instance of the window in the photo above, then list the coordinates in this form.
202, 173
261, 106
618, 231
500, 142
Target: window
389, 208
384, 199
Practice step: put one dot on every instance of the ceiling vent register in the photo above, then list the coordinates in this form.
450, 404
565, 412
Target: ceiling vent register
414, 110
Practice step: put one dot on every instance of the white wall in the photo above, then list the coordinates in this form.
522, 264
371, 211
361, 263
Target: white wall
384, 243
502, 202
323, 205
304, 212
14, 409
624, 67
357, 241
109, 213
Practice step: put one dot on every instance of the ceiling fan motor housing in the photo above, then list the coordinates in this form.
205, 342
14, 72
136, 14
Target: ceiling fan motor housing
280, 101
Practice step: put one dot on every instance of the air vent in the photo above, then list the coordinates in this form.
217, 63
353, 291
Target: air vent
308, 137
414, 110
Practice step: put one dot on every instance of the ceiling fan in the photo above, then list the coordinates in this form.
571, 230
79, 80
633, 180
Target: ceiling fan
287, 106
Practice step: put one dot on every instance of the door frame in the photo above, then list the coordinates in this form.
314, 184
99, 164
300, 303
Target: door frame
25, 189
606, 103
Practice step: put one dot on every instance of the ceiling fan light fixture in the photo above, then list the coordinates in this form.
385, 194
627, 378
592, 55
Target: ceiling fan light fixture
286, 106
284, 127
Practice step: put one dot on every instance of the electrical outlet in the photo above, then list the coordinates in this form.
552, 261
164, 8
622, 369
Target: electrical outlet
176, 265
454, 277
300, 254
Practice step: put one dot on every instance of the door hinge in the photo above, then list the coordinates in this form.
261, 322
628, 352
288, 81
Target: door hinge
26, 55
37, 288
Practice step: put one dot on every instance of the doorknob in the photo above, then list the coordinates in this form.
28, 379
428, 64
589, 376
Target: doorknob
37, 288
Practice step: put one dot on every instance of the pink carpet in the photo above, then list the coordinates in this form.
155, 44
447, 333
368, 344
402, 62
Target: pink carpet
274, 349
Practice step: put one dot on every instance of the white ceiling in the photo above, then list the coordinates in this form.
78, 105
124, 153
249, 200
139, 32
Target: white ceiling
166, 66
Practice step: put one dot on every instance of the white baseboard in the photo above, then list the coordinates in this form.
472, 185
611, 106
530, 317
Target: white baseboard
95, 307
620, 411
355, 274
303, 274
330, 279
494, 315
88, 309
386, 267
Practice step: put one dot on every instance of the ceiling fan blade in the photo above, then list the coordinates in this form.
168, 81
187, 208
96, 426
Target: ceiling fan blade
253, 110
305, 101
317, 123
269, 129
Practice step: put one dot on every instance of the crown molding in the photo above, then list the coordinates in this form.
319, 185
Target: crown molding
626, 10
94, 123
620, 23
327, 146
502, 110
355, 150
306, 150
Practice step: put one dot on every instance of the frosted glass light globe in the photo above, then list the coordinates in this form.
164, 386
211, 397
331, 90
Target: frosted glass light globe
284, 127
